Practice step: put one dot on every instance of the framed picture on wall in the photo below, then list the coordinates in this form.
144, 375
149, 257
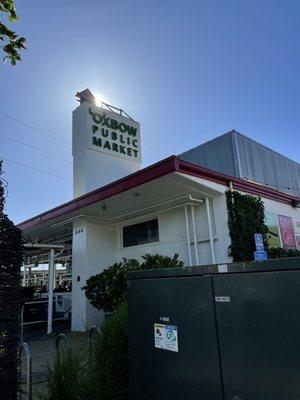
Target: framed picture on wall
287, 232
273, 236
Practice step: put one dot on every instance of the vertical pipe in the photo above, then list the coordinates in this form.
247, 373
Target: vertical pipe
24, 276
54, 274
22, 324
187, 233
211, 239
195, 235
50, 291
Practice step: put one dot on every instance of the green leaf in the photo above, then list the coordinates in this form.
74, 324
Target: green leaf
14, 43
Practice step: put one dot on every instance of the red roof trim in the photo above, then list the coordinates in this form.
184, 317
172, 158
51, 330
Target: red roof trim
238, 184
204, 173
145, 175
166, 166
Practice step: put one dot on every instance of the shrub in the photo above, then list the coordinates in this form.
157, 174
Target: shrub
110, 375
279, 252
245, 218
68, 380
10, 299
107, 290
157, 261
104, 376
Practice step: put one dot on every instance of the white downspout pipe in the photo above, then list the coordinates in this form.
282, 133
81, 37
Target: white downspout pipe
54, 276
195, 235
211, 238
24, 276
50, 291
188, 233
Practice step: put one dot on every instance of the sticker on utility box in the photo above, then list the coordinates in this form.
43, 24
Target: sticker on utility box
166, 337
222, 299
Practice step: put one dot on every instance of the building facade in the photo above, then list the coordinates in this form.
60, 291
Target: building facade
174, 206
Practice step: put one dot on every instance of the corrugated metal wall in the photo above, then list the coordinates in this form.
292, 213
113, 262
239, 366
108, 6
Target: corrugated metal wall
218, 154
237, 155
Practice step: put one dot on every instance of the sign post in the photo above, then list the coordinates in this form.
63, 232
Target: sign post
260, 254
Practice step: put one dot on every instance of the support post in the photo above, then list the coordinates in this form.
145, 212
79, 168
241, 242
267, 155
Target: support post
188, 233
195, 235
50, 291
211, 238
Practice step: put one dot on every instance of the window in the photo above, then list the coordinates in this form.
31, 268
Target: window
145, 232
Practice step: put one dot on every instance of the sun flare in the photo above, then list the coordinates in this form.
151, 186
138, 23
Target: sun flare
99, 99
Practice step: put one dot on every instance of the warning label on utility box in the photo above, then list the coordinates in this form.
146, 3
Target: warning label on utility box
166, 337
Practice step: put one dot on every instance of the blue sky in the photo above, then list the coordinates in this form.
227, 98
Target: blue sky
187, 71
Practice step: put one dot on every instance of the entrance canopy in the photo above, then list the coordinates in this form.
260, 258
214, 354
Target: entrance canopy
166, 192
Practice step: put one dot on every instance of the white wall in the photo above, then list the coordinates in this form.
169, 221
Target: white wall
286, 210
79, 269
94, 247
283, 209
221, 229
172, 237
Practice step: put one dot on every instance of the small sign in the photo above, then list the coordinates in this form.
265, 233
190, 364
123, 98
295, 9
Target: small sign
259, 242
222, 299
222, 268
159, 336
260, 255
166, 337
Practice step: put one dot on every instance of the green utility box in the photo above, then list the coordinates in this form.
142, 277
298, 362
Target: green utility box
197, 334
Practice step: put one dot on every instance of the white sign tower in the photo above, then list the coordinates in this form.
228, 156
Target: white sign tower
106, 145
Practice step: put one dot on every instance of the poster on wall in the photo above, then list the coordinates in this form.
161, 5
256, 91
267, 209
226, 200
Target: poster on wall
297, 233
273, 236
287, 232
298, 241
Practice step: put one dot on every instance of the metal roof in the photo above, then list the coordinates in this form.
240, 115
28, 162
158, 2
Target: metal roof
238, 155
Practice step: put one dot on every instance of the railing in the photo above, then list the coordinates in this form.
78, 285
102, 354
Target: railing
24, 347
59, 338
30, 376
39, 321
92, 332
119, 110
